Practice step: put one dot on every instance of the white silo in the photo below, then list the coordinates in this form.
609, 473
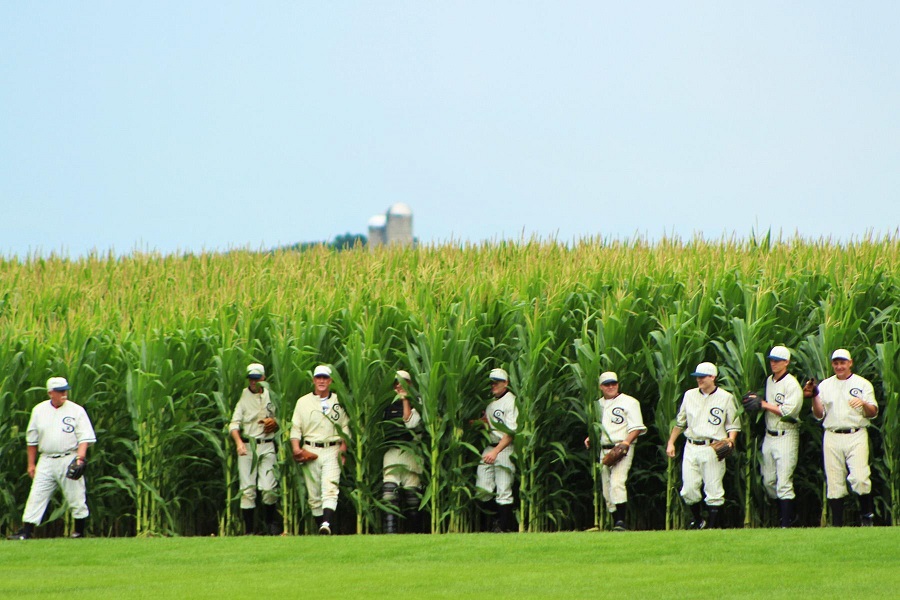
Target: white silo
377, 231
399, 225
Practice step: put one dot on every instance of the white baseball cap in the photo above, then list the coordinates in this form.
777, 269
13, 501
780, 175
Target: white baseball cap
780, 353
57, 384
608, 377
404, 375
499, 375
322, 371
841, 354
256, 371
704, 369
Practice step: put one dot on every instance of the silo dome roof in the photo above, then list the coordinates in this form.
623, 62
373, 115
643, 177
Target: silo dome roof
400, 209
377, 221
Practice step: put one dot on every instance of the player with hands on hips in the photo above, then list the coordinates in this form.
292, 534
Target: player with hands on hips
494, 476
620, 423
58, 436
780, 447
402, 467
708, 418
319, 429
253, 428
844, 403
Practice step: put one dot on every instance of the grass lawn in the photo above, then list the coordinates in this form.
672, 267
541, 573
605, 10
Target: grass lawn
800, 563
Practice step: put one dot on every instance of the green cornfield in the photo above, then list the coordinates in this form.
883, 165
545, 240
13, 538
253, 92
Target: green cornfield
155, 349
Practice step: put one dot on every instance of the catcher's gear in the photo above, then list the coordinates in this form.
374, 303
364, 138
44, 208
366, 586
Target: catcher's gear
810, 389
269, 424
76, 468
752, 402
615, 454
304, 456
722, 448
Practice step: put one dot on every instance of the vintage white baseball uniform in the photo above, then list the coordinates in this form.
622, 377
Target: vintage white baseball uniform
781, 443
402, 465
498, 476
57, 433
319, 423
704, 419
259, 470
846, 443
619, 417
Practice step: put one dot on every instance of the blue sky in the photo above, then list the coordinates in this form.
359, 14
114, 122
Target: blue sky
184, 126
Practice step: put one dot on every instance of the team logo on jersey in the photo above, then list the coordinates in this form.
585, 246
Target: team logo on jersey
270, 409
68, 425
335, 413
498, 416
779, 398
716, 415
618, 415
856, 393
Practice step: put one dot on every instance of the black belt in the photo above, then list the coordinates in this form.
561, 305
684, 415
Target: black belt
699, 442
776, 433
607, 446
320, 444
844, 430
247, 441
71, 452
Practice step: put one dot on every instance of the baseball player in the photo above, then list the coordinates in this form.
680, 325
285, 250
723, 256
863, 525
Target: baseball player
494, 477
845, 402
784, 399
60, 431
620, 423
707, 415
253, 427
321, 425
402, 465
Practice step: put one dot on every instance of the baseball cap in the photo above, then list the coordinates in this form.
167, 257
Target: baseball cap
841, 354
499, 375
780, 353
704, 369
322, 371
608, 377
256, 371
403, 375
57, 384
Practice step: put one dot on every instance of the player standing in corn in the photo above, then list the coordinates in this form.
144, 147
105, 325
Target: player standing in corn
402, 466
319, 429
494, 477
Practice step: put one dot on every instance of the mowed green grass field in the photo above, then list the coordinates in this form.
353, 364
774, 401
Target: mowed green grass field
801, 563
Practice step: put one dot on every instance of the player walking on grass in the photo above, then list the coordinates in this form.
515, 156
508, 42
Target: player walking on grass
844, 403
60, 432
708, 419
620, 424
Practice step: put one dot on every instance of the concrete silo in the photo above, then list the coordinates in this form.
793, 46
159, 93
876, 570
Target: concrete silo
398, 229
377, 231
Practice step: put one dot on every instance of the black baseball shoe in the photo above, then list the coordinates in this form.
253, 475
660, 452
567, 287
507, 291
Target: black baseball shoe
19, 535
868, 520
75, 535
620, 526
701, 524
325, 528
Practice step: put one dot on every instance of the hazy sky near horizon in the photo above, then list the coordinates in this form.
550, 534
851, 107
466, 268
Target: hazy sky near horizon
184, 126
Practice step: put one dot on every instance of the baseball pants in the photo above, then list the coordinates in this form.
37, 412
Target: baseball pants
496, 477
259, 475
613, 481
322, 477
779, 459
402, 467
847, 453
700, 467
49, 474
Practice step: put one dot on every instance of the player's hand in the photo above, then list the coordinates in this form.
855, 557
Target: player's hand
810, 389
670, 450
856, 403
31, 471
490, 458
242, 449
587, 442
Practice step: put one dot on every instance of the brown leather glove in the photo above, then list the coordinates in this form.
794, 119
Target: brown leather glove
722, 448
270, 425
304, 456
810, 389
615, 454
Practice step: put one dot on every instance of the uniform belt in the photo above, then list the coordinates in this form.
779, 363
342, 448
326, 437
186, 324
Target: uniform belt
700, 442
607, 446
844, 430
69, 453
320, 444
259, 441
776, 433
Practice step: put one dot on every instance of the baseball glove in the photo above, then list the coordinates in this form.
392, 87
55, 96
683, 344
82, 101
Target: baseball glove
269, 424
810, 389
615, 454
722, 448
752, 403
76, 468
305, 456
